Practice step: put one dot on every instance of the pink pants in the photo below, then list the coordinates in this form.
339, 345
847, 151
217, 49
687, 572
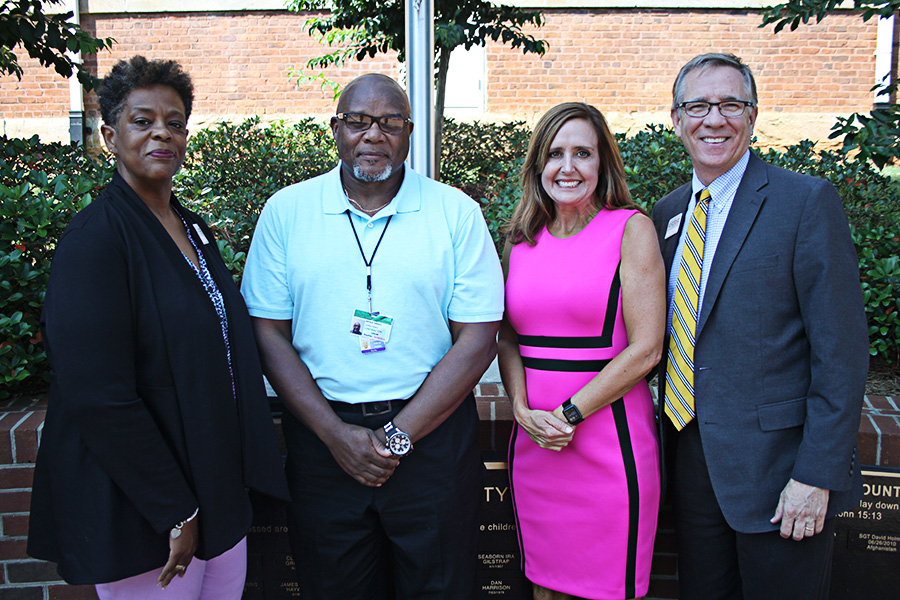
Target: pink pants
221, 578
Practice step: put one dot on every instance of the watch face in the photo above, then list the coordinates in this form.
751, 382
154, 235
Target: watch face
572, 414
399, 444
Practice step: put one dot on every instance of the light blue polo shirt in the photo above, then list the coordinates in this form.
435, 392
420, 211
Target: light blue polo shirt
435, 263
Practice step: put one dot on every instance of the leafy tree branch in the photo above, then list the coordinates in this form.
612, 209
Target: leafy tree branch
24, 25
876, 135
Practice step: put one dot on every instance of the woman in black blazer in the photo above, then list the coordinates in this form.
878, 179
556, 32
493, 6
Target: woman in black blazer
157, 424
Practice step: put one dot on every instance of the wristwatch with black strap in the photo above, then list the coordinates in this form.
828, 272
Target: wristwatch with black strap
571, 412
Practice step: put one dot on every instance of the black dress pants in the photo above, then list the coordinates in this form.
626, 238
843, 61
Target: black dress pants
416, 534
717, 562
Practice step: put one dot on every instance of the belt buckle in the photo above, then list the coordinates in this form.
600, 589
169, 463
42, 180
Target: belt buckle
374, 409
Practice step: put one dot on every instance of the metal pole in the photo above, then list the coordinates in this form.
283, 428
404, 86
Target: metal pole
76, 93
420, 83
884, 49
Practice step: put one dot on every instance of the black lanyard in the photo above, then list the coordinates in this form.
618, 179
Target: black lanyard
363, 254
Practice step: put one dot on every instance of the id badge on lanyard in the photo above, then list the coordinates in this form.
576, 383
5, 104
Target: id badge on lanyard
373, 328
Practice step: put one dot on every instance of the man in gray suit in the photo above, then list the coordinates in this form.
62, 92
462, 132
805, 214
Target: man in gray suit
762, 381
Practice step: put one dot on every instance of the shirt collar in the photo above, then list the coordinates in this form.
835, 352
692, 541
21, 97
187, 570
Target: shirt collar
408, 198
723, 188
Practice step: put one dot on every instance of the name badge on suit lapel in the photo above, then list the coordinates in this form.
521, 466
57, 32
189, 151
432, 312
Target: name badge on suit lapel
672, 227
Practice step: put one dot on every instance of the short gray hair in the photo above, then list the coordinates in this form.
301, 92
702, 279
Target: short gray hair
714, 59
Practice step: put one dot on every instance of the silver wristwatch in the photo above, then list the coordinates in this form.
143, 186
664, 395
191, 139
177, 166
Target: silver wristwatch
397, 442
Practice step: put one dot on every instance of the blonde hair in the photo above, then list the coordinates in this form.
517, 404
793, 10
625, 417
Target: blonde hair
537, 209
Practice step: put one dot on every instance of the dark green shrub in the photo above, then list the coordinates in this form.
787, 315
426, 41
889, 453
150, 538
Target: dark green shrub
477, 156
655, 163
484, 160
500, 201
231, 170
878, 248
41, 187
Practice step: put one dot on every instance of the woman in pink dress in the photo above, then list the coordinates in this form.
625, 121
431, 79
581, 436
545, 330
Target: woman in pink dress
584, 324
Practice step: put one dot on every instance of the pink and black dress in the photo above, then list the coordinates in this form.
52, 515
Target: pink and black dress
587, 515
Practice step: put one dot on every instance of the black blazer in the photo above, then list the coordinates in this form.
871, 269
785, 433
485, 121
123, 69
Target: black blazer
142, 426
781, 351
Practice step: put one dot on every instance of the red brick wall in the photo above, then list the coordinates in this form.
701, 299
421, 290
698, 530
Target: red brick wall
626, 60
239, 62
622, 60
40, 94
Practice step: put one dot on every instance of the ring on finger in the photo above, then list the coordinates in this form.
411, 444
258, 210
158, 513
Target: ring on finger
180, 567
808, 528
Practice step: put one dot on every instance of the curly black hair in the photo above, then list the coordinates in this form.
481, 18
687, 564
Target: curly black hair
127, 76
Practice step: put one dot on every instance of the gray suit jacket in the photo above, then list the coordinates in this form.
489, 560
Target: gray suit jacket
782, 346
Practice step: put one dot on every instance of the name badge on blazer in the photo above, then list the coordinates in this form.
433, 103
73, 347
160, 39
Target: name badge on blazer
205, 241
672, 227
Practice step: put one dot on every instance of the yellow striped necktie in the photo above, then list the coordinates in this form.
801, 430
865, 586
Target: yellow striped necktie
679, 400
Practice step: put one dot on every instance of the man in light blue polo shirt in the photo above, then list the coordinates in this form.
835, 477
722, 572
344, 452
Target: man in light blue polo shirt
376, 295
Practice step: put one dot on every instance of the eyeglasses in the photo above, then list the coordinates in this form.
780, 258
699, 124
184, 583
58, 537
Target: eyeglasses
728, 108
358, 122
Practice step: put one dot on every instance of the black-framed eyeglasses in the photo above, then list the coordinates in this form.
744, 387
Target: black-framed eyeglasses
361, 122
727, 108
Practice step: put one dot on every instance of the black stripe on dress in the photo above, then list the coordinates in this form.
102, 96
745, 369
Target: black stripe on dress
512, 493
631, 478
596, 341
555, 364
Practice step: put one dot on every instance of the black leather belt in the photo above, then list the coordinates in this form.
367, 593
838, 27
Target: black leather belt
367, 409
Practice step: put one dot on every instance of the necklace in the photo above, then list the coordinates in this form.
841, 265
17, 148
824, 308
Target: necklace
368, 211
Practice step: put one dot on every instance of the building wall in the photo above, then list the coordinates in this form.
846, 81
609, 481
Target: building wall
625, 61
239, 63
38, 104
621, 59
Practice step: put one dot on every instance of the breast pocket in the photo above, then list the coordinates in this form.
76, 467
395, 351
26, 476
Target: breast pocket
782, 415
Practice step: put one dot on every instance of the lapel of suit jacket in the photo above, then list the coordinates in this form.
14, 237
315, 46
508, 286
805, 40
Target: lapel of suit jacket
747, 202
670, 244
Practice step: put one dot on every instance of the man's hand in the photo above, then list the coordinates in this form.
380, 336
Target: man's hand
545, 429
801, 510
362, 455
356, 449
